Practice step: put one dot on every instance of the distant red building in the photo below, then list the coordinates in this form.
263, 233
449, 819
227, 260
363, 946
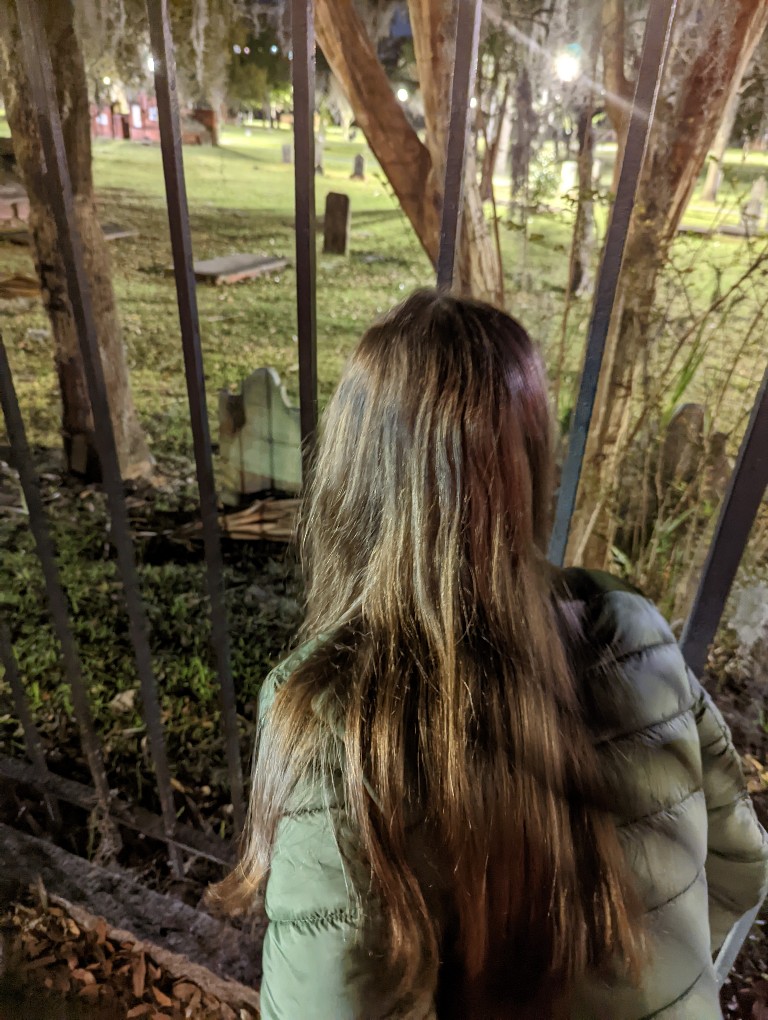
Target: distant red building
141, 123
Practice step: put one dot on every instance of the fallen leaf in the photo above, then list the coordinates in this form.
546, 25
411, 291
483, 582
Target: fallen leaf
141, 1010
184, 990
161, 997
139, 975
85, 976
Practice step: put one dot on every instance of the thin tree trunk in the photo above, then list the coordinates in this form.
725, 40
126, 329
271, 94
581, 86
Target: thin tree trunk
723, 136
618, 89
77, 420
492, 144
690, 107
584, 227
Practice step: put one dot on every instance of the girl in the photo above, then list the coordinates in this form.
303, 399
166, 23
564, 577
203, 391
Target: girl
483, 787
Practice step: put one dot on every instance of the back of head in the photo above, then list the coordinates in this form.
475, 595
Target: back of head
443, 658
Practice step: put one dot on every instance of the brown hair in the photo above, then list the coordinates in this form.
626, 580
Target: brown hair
445, 666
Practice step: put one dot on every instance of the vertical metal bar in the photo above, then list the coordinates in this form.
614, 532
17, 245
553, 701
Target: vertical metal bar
464, 71
37, 61
657, 34
186, 294
57, 600
303, 73
737, 515
32, 740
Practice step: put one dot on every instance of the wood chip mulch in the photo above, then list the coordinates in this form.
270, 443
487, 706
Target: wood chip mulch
46, 950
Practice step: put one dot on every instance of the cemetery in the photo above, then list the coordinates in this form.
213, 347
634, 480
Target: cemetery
679, 439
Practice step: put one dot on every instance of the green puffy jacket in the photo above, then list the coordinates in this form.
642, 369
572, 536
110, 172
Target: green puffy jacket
698, 853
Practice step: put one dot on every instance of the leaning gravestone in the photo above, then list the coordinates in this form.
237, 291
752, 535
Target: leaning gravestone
683, 447
259, 439
358, 170
336, 227
287, 154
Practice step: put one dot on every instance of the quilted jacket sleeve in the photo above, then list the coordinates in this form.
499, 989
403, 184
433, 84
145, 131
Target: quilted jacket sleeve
315, 966
313, 925
737, 846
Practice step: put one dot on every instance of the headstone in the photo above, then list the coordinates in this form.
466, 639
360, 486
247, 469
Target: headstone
288, 154
752, 210
259, 439
683, 447
569, 176
358, 170
336, 227
233, 268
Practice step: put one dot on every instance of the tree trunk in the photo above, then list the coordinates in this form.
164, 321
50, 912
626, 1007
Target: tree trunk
493, 144
690, 107
584, 227
415, 171
69, 71
478, 268
618, 90
723, 136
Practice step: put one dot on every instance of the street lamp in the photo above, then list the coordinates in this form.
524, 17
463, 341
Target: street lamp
567, 66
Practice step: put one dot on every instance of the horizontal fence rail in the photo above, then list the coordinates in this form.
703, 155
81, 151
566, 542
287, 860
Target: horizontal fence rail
186, 292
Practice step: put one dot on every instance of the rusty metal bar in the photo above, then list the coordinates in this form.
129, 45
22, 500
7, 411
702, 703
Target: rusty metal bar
32, 742
186, 294
464, 72
303, 74
657, 34
37, 62
737, 515
57, 600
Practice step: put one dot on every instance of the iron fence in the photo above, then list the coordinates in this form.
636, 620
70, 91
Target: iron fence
737, 515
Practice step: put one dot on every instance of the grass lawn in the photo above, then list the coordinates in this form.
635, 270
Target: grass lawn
241, 199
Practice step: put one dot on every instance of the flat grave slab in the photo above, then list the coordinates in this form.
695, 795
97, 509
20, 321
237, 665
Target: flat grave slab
111, 231
233, 268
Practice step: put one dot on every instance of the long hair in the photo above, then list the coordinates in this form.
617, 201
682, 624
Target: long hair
439, 684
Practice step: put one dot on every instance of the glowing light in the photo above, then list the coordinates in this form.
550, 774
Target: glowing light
151, 63
567, 66
107, 80
472, 103
237, 49
402, 95
273, 48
